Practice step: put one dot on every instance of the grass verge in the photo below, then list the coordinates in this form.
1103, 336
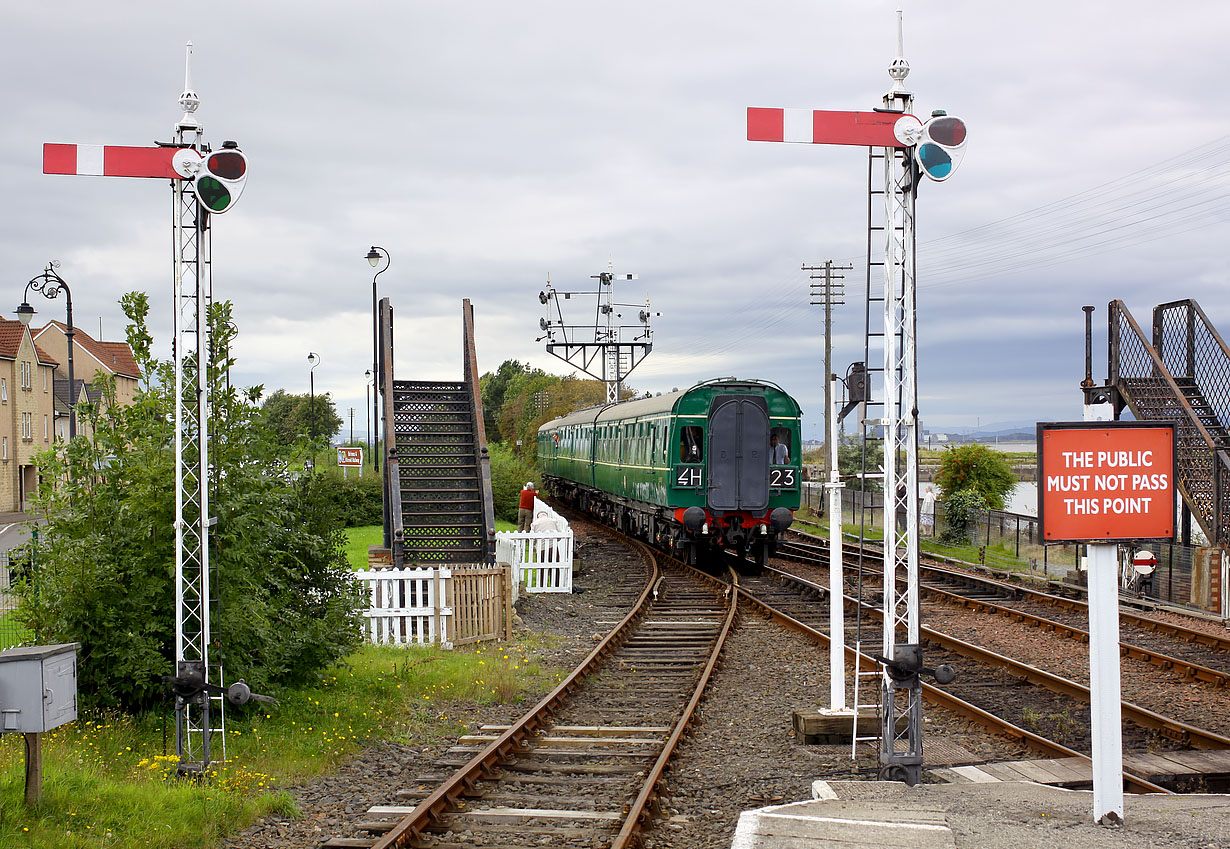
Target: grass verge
109, 779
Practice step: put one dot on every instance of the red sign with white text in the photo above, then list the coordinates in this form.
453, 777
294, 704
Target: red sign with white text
350, 457
1106, 481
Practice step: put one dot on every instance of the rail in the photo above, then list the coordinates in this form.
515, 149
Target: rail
413, 826
936, 695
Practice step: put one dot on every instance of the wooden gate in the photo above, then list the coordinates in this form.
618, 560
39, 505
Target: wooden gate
481, 603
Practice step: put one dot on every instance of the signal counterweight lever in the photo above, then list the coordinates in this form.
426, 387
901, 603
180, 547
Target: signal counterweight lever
906, 667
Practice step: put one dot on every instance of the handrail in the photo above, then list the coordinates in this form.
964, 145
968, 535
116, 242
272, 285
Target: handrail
394, 532
1119, 317
470, 373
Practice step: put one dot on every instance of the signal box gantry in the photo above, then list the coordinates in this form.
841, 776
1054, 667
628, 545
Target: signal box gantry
598, 349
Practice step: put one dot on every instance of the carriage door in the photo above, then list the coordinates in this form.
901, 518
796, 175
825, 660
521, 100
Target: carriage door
738, 453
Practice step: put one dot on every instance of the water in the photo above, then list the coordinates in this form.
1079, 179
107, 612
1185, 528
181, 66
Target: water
1023, 498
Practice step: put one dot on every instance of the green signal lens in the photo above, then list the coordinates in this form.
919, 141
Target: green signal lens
935, 161
213, 194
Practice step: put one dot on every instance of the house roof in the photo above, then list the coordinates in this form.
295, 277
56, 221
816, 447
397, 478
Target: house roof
116, 357
11, 333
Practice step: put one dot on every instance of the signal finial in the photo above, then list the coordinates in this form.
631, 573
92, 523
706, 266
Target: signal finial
898, 99
188, 100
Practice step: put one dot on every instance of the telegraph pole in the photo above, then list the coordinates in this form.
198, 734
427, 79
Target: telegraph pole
829, 293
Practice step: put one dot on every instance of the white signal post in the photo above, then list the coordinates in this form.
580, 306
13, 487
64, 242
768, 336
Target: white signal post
201, 183
837, 621
1105, 673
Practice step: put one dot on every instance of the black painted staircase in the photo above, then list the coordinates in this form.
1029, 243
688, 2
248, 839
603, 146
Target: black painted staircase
437, 478
1146, 384
437, 463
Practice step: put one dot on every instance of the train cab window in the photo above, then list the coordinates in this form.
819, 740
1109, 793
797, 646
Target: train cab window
691, 444
779, 445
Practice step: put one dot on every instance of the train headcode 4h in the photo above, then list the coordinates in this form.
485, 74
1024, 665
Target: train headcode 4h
1106, 481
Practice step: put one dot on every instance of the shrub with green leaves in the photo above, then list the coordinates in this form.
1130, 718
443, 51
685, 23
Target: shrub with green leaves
977, 468
961, 510
104, 575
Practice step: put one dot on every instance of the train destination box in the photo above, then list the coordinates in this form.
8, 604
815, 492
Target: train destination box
1106, 482
38, 688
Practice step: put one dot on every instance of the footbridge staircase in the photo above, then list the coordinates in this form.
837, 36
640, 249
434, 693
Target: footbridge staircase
1181, 374
437, 473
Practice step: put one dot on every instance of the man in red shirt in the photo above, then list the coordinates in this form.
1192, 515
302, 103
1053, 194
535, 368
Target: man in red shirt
525, 508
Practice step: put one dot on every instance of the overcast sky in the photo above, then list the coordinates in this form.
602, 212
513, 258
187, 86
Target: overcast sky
487, 145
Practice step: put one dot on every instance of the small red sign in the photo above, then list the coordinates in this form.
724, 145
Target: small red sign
1106, 481
350, 457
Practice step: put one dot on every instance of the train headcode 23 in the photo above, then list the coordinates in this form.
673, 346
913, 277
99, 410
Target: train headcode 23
1106, 481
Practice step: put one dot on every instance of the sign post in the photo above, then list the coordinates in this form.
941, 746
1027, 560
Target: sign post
1102, 483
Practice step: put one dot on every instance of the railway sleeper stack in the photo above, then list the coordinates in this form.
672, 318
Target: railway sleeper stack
436, 447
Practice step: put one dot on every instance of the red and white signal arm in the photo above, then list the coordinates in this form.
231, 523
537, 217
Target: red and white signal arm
350, 457
941, 147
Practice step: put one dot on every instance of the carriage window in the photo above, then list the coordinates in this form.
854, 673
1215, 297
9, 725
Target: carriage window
691, 448
779, 445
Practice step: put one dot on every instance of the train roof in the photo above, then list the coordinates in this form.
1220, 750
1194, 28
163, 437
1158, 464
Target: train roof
664, 403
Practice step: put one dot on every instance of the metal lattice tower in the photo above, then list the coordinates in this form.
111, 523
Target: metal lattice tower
598, 349
900, 749
193, 728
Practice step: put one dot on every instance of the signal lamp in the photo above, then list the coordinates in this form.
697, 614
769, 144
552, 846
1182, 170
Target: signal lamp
221, 179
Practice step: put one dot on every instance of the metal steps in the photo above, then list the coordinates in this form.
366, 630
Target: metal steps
438, 473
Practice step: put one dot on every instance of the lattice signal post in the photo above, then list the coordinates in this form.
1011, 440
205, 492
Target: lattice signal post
907, 147
598, 349
203, 182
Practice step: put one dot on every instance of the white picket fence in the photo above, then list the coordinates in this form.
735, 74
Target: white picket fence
407, 606
543, 559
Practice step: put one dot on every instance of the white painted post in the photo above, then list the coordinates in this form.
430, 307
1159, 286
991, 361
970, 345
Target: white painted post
1106, 708
837, 634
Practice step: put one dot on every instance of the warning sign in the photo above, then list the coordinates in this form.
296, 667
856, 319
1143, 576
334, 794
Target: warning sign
1106, 481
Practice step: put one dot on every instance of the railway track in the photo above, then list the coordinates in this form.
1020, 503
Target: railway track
792, 601
1185, 652
584, 766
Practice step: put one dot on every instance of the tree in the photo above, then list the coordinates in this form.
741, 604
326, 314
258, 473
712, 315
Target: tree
975, 468
293, 417
286, 603
850, 462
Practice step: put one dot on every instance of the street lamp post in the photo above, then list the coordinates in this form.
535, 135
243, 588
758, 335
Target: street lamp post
367, 384
373, 257
314, 359
50, 285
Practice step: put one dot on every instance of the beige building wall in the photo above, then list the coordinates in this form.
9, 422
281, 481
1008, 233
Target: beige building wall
26, 422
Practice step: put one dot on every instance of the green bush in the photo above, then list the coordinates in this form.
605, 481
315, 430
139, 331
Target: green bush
961, 510
357, 501
285, 602
508, 475
977, 468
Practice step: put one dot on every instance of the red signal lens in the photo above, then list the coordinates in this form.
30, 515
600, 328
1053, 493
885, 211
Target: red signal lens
227, 164
947, 131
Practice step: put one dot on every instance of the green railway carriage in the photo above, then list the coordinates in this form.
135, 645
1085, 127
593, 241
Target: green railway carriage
718, 465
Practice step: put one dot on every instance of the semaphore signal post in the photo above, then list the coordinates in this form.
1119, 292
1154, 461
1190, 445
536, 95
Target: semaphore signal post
908, 148
203, 182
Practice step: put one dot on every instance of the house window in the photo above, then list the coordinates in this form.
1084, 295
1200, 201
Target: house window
4, 390
44, 371
27, 427
26, 379
46, 432
4, 447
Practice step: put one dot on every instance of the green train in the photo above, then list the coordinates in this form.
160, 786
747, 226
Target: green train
708, 468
